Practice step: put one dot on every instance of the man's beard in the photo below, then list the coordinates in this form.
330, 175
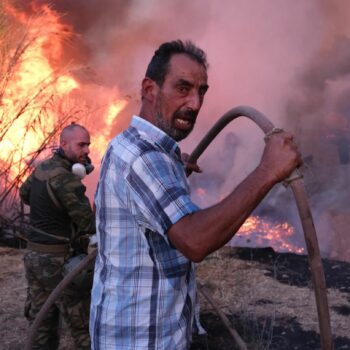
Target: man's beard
168, 128
168, 125
73, 158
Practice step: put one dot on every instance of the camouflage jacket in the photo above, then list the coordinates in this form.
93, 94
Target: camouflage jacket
69, 214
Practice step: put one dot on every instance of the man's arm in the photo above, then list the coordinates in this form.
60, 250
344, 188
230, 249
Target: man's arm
71, 193
199, 234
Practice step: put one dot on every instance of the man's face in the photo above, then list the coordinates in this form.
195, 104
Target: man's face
76, 145
181, 96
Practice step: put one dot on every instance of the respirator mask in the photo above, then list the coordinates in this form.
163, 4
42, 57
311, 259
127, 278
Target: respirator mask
78, 169
81, 170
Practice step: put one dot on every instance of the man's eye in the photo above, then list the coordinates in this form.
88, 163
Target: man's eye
183, 89
202, 92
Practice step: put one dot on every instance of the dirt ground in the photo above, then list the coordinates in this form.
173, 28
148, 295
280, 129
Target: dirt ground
267, 297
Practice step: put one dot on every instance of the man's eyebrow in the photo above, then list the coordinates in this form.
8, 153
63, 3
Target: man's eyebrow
184, 82
188, 83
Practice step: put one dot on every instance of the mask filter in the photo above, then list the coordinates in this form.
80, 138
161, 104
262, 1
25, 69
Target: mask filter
79, 170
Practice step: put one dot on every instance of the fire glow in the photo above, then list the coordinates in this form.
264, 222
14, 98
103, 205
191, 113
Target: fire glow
257, 232
32, 82
37, 93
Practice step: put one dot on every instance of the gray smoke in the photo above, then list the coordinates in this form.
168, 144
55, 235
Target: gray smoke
289, 59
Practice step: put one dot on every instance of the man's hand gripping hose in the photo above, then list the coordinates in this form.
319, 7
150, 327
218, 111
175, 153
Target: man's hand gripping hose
297, 173
296, 183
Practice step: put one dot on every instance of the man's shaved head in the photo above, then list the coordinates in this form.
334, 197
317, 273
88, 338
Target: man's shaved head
68, 131
75, 142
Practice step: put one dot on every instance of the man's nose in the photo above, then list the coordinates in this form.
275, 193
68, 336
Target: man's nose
194, 101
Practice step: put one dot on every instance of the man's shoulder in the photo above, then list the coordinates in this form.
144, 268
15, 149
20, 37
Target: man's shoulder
131, 143
55, 162
59, 175
51, 168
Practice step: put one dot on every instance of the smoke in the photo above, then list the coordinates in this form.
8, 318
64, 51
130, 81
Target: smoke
288, 59
319, 113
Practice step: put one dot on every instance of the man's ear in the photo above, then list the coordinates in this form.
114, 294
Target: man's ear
149, 89
63, 145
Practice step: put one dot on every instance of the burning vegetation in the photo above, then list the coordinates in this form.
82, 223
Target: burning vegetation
32, 94
39, 95
259, 232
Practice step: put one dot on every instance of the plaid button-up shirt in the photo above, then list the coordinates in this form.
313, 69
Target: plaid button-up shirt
144, 294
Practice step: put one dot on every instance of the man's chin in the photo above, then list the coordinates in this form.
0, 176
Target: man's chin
175, 133
179, 135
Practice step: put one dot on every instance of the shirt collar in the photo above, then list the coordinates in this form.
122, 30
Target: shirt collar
157, 135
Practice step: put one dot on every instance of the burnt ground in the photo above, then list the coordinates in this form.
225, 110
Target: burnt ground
267, 296
269, 299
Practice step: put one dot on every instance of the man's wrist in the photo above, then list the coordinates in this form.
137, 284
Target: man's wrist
266, 175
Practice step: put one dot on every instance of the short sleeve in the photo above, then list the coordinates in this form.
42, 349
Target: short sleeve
159, 191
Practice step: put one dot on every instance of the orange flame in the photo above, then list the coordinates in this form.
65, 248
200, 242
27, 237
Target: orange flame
259, 232
32, 83
101, 140
36, 87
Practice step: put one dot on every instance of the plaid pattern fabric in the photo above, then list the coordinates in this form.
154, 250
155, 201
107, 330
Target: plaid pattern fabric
144, 294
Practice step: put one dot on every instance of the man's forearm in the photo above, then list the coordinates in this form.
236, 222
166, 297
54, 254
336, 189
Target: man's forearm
201, 233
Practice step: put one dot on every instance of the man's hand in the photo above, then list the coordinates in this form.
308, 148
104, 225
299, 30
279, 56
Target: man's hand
281, 156
190, 167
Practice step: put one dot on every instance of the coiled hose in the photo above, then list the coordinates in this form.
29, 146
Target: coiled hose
297, 185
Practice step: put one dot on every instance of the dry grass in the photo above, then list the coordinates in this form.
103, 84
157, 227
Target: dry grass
14, 326
239, 287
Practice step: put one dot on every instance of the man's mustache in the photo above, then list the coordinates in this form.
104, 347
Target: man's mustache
188, 114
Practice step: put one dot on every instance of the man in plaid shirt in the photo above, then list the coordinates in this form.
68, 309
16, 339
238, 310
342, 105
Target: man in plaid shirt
149, 231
